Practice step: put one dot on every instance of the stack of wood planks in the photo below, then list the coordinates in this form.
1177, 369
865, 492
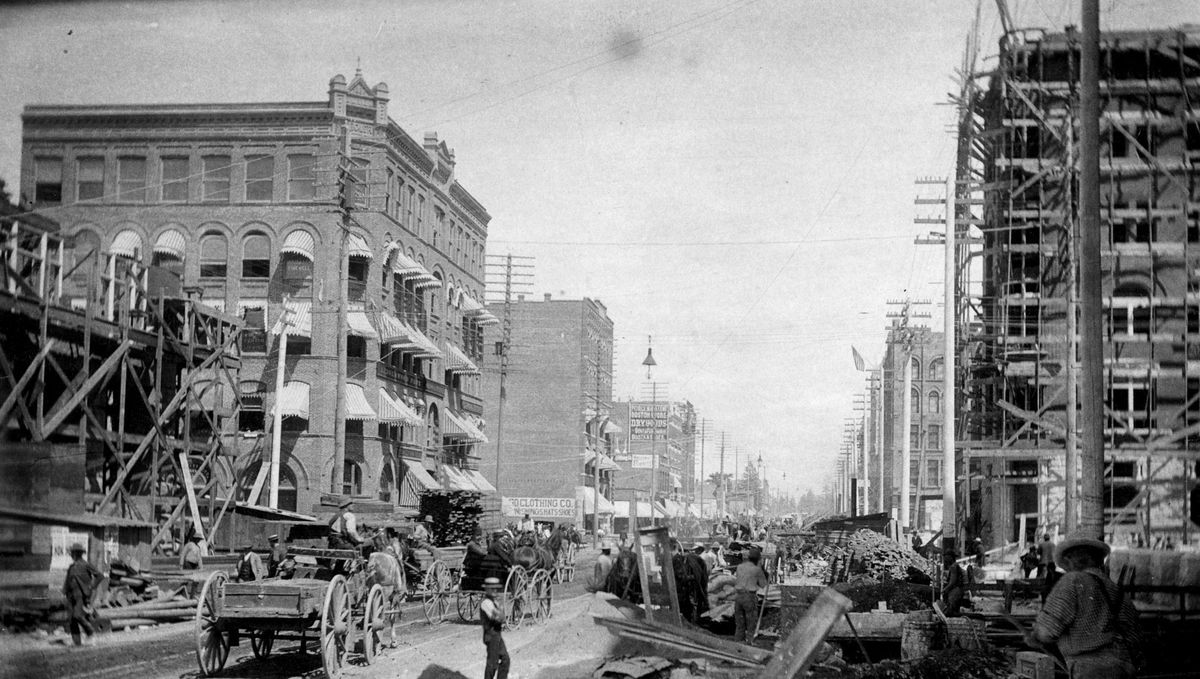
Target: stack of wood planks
174, 609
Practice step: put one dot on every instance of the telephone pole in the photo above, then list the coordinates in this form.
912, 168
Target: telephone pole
907, 335
348, 196
513, 275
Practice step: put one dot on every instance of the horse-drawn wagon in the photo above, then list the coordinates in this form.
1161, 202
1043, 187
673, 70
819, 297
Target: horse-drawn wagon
332, 599
526, 573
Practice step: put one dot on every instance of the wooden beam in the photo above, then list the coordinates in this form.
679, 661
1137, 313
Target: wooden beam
796, 653
190, 489
19, 385
1032, 418
61, 414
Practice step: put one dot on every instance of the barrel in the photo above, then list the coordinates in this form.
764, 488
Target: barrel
919, 635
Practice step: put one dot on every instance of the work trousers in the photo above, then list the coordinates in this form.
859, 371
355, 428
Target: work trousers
745, 615
1103, 664
497, 659
79, 621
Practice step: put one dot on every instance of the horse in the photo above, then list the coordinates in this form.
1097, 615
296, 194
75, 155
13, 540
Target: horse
531, 554
624, 580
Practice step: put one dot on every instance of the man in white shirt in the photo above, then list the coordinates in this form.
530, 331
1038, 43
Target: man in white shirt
527, 525
491, 618
345, 527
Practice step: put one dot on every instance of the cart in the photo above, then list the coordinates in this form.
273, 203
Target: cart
328, 601
564, 566
526, 594
434, 580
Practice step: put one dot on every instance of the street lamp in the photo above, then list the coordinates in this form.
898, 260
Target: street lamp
649, 362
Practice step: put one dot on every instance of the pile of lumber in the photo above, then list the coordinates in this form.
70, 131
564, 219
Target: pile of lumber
880, 557
175, 609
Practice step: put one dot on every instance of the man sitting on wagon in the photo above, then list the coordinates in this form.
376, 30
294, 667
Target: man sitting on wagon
345, 527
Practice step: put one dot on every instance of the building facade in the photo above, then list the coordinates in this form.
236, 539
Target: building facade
320, 222
665, 430
556, 434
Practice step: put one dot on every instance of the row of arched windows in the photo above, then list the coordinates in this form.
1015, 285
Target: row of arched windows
933, 402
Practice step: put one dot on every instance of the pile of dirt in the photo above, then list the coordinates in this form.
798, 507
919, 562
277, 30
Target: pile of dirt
575, 647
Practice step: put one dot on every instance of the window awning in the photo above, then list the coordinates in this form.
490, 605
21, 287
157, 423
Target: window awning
433, 282
606, 463
299, 243
171, 242
299, 315
587, 499
293, 400
486, 318
391, 330
358, 324
408, 268
356, 246
127, 244
480, 481
394, 411
621, 509
459, 362
458, 426
424, 346
457, 479
470, 307
357, 406
418, 477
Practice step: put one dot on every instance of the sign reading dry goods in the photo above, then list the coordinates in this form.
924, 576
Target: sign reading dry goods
647, 421
539, 507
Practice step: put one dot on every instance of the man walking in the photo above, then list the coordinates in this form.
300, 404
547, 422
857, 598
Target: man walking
81, 577
491, 618
1087, 616
748, 579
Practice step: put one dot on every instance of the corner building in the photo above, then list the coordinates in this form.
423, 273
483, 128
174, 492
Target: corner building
276, 214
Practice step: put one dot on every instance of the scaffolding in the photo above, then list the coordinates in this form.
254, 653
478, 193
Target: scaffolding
1017, 144
100, 351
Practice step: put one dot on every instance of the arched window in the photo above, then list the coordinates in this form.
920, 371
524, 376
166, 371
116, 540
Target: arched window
387, 483
935, 402
351, 478
433, 430
256, 256
287, 489
916, 401
214, 256
916, 369
935, 369
169, 249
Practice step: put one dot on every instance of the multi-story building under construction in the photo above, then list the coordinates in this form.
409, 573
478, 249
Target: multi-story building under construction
1018, 142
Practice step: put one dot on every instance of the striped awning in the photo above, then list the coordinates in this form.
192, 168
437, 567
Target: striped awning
127, 244
458, 426
459, 362
299, 243
299, 315
357, 406
358, 324
394, 411
433, 282
293, 400
486, 318
408, 268
606, 463
470, 307
420, 478
171, 242
390, 329
457, 479
425, 346
480, 481
356, 246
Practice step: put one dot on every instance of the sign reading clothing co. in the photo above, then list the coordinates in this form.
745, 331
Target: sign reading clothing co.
648, 421
539, 507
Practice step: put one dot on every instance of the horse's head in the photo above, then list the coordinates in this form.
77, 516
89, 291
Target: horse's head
527, 539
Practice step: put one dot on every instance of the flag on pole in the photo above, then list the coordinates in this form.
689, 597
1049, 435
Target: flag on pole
859, 363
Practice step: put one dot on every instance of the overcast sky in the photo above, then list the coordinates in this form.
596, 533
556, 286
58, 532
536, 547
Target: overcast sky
733, 178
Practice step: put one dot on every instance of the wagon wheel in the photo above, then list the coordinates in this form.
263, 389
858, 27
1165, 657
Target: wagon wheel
540, 594
468, 605
335, 626
212, 642
374, 623
515, 596
436, 592
262, 642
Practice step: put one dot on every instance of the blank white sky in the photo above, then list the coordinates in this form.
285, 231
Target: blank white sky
619, 143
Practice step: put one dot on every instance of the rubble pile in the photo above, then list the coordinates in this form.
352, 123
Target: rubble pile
879, 557
950, 664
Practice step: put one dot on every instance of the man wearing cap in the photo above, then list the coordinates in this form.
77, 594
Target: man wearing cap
1087, 616
191, 557
748, 579
422, 538
491, 618
81, 578
276, 557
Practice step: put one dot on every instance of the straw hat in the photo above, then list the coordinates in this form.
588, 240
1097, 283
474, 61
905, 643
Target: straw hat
491, 583
1079, 539
77, 549
345, 503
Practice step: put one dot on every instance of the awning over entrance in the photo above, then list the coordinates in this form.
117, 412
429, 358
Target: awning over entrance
356, 246
293, 400
587, 499
480, 481
357, 406
419, 477
299, 316
457, 479
395, 411
394, 332
171, 242
458, 426
299, 243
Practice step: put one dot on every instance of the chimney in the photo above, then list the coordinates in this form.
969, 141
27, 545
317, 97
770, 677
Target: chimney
547, 296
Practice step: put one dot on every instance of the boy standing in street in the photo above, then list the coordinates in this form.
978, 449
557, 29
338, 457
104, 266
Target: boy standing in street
491, 618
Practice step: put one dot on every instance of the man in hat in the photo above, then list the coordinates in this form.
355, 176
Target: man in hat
527, 525
191, 557
491, 618
1087, 616
345, 527
604, 563
277, 556
748, 579
81, 578
250, 565
422, 538
955, 587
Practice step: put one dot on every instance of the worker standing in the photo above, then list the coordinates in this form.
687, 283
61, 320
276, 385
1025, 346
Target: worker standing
491, 618
276, 557
604, 563
81, 578
250, 566
190, 557
748, 579
1087, 615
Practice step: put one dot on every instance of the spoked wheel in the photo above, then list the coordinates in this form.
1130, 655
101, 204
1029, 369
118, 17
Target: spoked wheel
541, 596
468, 605
374, 622
212, 642
516, 588
436, 592
335, 626
262, 642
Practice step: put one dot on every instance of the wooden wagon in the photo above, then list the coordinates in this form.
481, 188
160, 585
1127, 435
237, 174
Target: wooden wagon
434, 579
525, 594
328, 601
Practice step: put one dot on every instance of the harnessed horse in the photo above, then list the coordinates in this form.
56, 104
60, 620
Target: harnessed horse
384, 569
532, 554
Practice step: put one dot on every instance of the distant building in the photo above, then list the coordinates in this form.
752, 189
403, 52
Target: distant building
925, 430
241, 204
664, 429
555, 432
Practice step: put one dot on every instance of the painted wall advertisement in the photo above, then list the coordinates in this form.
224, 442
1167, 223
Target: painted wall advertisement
648, 421
539, 507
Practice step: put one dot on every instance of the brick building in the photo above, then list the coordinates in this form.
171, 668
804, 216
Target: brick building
242, 205
556, 431
665, 429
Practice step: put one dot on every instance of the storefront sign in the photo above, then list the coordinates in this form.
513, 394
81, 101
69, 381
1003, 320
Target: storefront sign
648, 421
539, 507
643, 462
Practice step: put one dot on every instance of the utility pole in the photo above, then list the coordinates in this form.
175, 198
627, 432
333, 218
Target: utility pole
1071, 504
1090, 280
596, 460
879, 438
724, 509
907, 336
703, 422
511, 278
348, 196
